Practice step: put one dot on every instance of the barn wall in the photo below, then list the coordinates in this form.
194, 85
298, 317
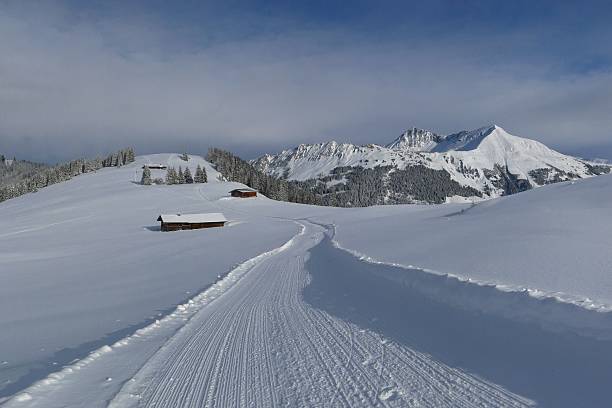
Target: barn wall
244, 194
185, 226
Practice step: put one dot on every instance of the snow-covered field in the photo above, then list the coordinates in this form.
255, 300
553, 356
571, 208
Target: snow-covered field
556, 240
299, 320
84, 260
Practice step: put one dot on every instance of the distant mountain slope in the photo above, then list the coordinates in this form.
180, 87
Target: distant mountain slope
425, 167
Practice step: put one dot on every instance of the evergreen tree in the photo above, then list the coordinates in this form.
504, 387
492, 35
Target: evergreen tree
181, 176
188, 177
146, 176
200, 175
129, 156
283, 191
171, 176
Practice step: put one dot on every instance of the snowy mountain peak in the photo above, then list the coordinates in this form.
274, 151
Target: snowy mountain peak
415, 140
467, 139
421, 140
488, 159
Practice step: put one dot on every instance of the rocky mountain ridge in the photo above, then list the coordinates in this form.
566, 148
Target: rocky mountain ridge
482, 163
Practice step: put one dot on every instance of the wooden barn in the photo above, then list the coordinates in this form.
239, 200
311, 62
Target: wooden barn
243, 193
155, 166
175, 222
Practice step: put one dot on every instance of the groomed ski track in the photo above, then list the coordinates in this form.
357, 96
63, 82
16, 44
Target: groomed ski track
260, 344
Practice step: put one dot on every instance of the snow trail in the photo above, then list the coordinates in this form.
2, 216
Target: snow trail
261, 344
78, 385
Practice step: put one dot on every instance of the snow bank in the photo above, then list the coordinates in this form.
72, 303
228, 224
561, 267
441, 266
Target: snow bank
524, 305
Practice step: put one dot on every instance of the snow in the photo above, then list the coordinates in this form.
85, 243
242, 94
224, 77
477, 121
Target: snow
501, 303
260, 342
555, 240
83, 262
311, 161
155, 165
486, 147
193, 218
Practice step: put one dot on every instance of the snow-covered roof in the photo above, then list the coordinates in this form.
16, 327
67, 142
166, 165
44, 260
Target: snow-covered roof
192, 218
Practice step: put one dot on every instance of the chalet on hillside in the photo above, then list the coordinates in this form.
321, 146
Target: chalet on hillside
243, 193
175, 222
155, 166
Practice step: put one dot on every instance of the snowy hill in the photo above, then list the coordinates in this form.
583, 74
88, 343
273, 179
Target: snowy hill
83, 260
552, 241
488, 160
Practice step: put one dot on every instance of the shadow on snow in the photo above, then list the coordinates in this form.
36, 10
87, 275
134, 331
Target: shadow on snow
40, 369
553, 368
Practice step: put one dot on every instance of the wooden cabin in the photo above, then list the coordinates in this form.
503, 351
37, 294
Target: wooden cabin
243, 193
155, 166
175, 222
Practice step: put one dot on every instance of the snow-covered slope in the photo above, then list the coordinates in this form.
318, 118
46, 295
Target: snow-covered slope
490, 146
316, 160
308, 161
83, 261
489, 160
554, 241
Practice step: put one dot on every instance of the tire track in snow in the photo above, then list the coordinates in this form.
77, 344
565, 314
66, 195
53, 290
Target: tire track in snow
260, 344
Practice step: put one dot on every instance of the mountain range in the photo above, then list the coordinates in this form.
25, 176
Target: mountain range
422, 166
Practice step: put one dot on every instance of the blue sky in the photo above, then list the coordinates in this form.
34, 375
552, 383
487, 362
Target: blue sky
80, 78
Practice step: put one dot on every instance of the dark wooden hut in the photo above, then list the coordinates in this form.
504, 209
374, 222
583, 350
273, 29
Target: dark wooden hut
175, 222
243, 193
